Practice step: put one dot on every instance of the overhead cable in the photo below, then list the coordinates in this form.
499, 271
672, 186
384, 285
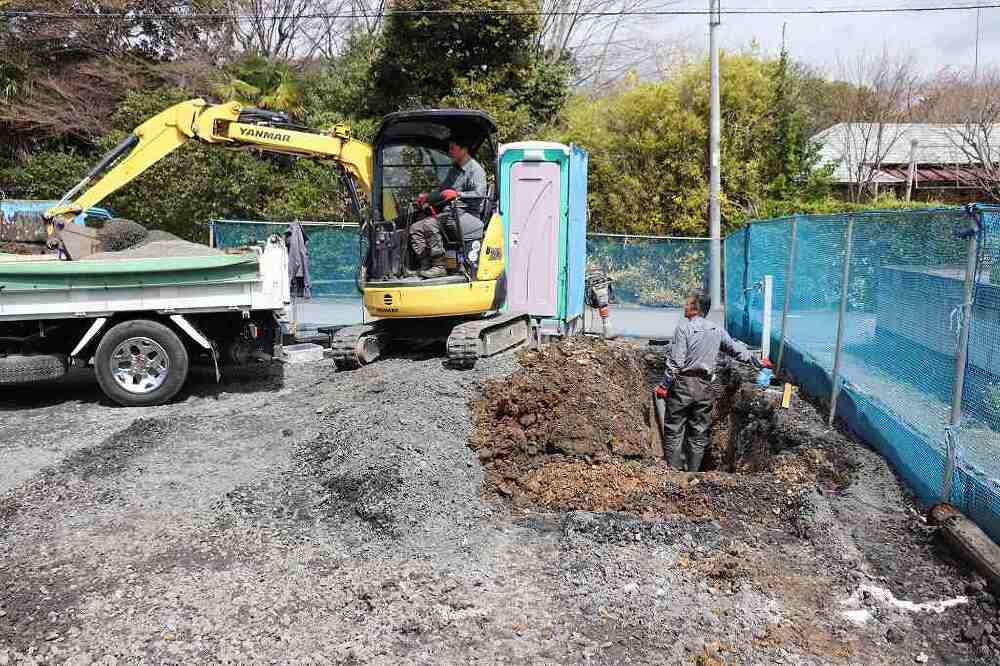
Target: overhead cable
17, 14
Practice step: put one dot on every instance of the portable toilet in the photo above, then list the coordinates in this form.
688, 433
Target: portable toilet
543, 201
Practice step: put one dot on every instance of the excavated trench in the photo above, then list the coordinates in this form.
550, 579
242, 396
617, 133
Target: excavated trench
573, 429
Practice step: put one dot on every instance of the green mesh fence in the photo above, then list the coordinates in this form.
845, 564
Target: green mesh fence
333, 250
734, 278
901, 332
650, 271
652, 275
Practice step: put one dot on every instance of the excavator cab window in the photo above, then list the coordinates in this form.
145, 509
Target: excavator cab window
408, 170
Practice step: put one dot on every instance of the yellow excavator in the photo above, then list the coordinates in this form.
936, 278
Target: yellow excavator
466, 308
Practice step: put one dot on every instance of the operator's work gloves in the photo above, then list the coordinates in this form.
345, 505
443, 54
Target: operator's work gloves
765, 362
661, 391
422, 198
449, 195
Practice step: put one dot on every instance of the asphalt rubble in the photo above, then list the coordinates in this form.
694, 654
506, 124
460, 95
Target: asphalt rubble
410, 513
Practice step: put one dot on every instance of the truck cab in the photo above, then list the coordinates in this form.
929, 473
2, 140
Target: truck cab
11, 208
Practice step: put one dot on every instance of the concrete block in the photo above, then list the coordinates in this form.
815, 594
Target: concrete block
303, 353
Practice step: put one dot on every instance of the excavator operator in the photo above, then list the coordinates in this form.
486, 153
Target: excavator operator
465, 184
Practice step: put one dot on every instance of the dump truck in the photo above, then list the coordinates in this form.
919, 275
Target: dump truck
139, 320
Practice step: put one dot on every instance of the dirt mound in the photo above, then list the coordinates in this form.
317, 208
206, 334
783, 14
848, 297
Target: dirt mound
121, 234
581, 399
570, 430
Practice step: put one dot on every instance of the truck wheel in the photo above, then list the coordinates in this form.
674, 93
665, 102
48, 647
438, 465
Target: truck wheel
140, 363
17, 369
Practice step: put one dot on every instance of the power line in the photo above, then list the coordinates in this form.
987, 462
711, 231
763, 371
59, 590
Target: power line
14, 14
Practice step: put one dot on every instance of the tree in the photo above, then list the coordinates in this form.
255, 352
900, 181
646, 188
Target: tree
880, 96
64, 76
793, 155
648, 145
339, 89
423, 56
292, 29
475, 60
262, 82
593, 34
967, 108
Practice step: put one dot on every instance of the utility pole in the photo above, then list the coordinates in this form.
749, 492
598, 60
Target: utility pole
912, 173
975, 68
715, 122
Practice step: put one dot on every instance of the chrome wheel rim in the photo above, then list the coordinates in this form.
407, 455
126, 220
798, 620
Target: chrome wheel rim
140, 365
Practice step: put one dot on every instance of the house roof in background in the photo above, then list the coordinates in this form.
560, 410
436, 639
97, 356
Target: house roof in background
937, 145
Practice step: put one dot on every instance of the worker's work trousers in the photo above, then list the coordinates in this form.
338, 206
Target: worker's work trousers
472, 226
687, 420
425, 238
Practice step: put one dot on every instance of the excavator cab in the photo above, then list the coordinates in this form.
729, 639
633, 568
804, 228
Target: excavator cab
410, 156
465, 308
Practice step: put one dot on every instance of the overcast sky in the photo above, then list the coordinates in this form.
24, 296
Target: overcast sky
935, 39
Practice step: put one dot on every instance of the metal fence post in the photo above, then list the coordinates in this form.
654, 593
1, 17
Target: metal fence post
765, 328
789, 281
845, 277
954, 425
746, 279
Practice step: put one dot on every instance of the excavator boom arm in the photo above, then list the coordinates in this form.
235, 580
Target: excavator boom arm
225, 125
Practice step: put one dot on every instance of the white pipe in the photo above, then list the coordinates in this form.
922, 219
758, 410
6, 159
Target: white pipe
765, 335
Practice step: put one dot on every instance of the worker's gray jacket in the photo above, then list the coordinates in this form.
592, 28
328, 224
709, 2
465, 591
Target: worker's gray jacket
469, 180
696, 348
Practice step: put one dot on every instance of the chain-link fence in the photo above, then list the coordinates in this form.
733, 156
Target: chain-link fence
651, 274
650, 271
333, 265
874, 304
333, 249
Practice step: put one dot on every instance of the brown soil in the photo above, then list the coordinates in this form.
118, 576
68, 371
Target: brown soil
570, 430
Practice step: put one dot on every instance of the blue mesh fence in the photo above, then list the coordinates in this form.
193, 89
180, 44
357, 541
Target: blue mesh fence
901, 333
333, 264
648, 270
652, 275
734, 278
333, 250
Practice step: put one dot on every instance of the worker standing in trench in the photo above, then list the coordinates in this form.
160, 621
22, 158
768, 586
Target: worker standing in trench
686, 387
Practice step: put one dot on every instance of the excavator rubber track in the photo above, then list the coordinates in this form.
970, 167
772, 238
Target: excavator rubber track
359, 345
472, 340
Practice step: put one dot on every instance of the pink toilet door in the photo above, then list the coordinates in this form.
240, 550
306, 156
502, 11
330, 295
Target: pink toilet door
532, 270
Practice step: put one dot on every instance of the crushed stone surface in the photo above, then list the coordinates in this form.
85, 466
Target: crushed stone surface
302, 515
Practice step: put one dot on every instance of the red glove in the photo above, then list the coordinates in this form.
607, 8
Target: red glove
661, 391
765, 362
449, 195
421, 198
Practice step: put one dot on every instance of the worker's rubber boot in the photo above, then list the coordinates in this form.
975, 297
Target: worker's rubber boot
694, 460
436, 270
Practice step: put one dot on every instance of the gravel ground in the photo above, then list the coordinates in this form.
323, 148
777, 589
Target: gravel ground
301, 515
